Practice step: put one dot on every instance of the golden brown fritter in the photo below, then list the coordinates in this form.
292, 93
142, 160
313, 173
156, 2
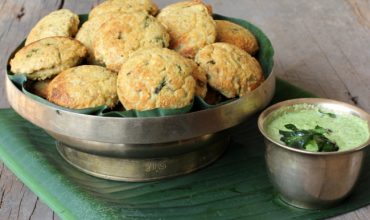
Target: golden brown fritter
58, 23
230, 70
84, 87
123, 6
237, 35
125, 34
190, 25
89, 29
156, 78
47, 57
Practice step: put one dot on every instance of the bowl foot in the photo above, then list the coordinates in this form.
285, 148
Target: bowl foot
307, 205
143, 169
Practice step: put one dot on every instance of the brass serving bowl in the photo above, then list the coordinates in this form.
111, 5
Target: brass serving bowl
313, 180
142, 149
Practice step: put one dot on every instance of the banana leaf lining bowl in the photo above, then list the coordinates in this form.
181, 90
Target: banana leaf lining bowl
147, 148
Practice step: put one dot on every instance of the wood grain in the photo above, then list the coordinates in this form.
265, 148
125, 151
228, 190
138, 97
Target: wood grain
321, 46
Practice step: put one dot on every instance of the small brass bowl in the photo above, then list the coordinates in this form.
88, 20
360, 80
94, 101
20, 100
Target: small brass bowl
313, 180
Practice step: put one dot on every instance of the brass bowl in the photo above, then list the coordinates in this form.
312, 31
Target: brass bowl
143, 149
313, 180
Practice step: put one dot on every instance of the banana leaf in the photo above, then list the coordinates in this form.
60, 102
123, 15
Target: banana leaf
234, 187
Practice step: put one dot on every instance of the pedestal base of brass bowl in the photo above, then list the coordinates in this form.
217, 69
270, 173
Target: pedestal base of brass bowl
209, 149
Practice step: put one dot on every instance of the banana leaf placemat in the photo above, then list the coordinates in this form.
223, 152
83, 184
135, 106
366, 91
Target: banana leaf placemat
234, 187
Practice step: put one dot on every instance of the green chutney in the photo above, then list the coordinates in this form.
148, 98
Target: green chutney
346, 130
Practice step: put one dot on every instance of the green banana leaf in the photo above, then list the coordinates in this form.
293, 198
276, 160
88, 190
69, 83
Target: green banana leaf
234, 187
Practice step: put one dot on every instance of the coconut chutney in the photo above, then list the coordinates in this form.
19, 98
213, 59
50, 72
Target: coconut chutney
346, 130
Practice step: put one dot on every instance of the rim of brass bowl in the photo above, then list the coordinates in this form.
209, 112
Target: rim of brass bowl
343, 108
149, 130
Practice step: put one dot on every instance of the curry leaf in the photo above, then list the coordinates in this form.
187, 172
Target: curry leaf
331, 115
300, 138
291, 127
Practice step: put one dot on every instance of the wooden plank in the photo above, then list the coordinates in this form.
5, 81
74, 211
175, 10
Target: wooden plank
314, 43
17, 201
41, 211
17, 17
321, 46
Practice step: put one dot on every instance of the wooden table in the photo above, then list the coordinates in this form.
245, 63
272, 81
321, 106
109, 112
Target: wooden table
321, 46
